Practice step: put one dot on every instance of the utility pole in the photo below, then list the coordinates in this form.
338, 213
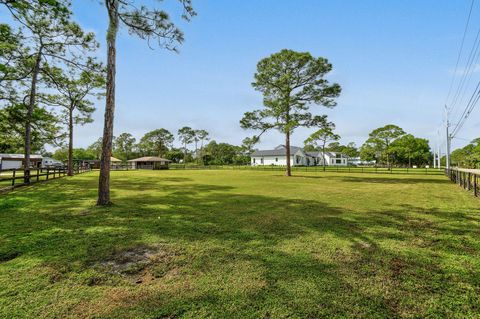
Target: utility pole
448, 139
439, 157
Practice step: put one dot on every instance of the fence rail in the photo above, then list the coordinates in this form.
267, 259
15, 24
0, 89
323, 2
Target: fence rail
465, 178
13, 178
338, 169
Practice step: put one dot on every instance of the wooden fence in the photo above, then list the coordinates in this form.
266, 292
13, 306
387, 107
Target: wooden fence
319, 169
12, 178
465, 178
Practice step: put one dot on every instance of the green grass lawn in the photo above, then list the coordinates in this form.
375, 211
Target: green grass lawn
241, 244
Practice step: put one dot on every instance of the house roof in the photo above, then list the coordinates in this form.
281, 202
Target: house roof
149, 159
280, 150
114, 159
20, 156
319, 154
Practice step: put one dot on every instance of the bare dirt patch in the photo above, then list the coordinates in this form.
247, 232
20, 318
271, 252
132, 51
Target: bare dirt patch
142, 264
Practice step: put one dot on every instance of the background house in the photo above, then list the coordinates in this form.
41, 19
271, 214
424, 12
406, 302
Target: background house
149, 162
298, 157
11, 161
95, 164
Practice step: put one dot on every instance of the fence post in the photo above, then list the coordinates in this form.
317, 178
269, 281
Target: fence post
38, 174
475, 185
13, 178
48, 171
26, 176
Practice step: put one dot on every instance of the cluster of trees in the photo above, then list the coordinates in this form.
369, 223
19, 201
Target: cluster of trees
391, 145
48, 76
159, 142
468, 156
47, 61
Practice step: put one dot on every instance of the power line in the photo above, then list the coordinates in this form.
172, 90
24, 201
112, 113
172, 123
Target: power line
467, 74
468, 110
460, 51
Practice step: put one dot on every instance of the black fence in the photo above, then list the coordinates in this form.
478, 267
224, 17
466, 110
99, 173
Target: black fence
319, 169
467, 179
12, 178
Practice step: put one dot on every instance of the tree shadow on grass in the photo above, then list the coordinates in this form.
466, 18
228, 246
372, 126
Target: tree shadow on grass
407, 179
248, 255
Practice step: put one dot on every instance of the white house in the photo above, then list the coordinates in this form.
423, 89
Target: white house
11, 161
298, 157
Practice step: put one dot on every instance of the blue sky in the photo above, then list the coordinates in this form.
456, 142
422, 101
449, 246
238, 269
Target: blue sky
393, 59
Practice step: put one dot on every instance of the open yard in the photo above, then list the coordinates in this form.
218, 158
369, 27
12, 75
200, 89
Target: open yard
241, 244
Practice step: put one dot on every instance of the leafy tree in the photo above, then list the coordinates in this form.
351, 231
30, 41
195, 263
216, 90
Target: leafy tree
96, 148
467, 156
11, 52
62, 154
350, 149
408, 148
156, 142
290, 83
50, 38
175, 155
124, 145
146, 23
369, 153
186, 135
223, 154
200, 136
322, 136
45, 129
74, 89
378, 144
248, 145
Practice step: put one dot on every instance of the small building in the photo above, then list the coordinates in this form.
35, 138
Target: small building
16, 161
149, 162
95, 164
298, 157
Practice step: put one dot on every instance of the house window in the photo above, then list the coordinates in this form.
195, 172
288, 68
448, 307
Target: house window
276, 159
339, 161
261, 160
254, 161
298, 159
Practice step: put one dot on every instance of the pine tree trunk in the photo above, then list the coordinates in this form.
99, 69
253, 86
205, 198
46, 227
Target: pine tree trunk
323, 155
185, 155
104, 179
28, 122
288, 172
196, 151
70, 142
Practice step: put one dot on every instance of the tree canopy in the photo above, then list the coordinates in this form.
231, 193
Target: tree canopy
290, 82
377, 146
391, 145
